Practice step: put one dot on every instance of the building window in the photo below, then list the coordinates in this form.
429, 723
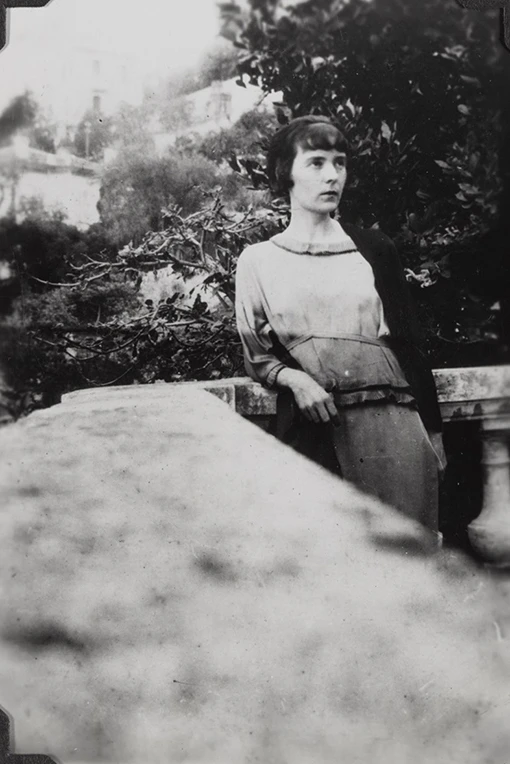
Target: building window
225, 105
220, 103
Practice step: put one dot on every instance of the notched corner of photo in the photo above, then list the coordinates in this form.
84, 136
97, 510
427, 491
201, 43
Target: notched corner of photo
492, 5
5, 9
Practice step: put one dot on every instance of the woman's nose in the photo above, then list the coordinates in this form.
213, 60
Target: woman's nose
331, 171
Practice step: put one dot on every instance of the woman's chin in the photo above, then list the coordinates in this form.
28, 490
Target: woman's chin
323, 207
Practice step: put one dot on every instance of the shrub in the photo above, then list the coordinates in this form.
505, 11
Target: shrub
139, 186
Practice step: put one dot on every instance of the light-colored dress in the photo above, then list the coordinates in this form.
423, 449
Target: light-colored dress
321, 303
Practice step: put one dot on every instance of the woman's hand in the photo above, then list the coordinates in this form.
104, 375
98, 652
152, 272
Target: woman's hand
311, 399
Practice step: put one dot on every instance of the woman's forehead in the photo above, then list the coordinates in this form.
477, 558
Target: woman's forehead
303, 152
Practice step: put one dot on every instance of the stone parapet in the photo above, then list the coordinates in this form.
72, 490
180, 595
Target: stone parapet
178, 586
464, 393
479, 394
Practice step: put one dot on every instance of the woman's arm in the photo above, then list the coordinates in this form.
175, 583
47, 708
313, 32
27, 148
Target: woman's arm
260, 361
254, 330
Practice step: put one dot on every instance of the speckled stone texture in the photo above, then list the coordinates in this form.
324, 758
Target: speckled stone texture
177, 586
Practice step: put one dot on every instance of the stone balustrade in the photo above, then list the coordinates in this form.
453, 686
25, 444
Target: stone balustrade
476, 394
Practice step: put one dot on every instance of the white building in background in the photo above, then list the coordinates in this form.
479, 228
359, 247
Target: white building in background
90, 79
101, 81
66, 85
59, 181
214, 108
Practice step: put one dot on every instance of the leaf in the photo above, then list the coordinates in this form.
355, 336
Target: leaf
317, 62
467, 188
349, 104
471, 80
234, 164
464, 109
386, 131
415, 224
441, 164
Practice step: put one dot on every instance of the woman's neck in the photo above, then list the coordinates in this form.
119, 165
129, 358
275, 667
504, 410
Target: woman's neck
314, 228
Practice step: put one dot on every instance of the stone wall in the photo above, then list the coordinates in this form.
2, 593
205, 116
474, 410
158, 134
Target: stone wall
180, 587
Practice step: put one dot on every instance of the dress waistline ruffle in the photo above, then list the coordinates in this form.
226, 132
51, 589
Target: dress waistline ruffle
390, 394
380, 341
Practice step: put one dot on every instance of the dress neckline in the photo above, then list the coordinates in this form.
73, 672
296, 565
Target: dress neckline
340, 246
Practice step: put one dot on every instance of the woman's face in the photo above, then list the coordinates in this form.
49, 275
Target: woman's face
318, 179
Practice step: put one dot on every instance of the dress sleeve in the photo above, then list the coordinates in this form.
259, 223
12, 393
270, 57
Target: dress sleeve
253, 326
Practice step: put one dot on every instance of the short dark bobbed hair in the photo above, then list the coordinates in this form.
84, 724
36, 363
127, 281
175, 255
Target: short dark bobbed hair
310, 132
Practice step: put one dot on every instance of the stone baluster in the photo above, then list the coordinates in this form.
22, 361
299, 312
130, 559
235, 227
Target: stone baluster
490, 532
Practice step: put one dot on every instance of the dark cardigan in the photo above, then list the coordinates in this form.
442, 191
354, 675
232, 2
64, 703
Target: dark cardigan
379, 250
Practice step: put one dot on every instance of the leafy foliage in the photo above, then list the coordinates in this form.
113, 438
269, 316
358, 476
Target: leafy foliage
93, 134
416, 91
247, 137
39, 252
41, 249
19, 114
129, 127
138, 186
97, 331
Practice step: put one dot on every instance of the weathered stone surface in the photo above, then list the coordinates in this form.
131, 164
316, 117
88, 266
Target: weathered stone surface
473, 383
177, 586
464, 393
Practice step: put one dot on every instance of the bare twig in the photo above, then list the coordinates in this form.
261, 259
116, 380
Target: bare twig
88, 280
111, 381
104, 352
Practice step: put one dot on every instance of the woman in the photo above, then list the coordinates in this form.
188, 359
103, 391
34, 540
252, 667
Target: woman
323, 313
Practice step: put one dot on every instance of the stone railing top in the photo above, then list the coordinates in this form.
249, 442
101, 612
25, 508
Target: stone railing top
179, 586
476, 392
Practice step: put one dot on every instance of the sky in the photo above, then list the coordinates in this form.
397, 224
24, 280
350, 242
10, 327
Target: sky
166, 35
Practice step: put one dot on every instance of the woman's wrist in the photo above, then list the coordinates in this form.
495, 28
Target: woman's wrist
289, 378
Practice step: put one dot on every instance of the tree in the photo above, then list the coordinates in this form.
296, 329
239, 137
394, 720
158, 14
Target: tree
93, 134
247, 137
129, 128
96, 331
416, 89
19, 114
137, 187
41, 252
38, 248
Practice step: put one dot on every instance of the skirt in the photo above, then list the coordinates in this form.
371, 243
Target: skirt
382, 448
